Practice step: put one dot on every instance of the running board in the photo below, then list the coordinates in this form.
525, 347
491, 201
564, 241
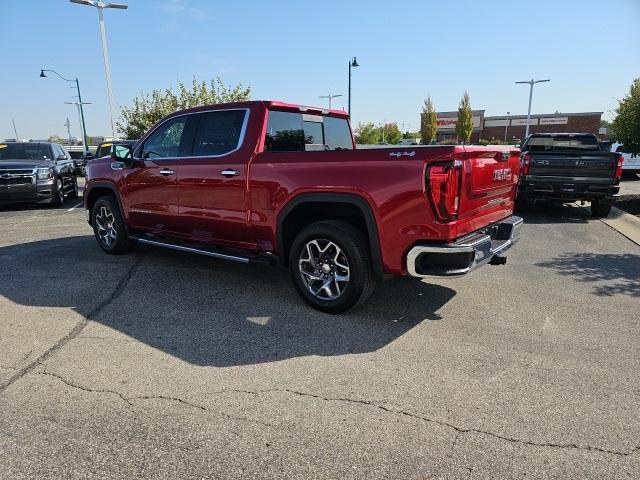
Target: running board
255, 259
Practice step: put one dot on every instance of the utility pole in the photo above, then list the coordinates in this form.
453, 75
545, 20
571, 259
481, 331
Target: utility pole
15, 130
506, 126
531, 83
330, 97
68, 125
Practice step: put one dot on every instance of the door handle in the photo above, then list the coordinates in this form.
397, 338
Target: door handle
230, 173
166, 172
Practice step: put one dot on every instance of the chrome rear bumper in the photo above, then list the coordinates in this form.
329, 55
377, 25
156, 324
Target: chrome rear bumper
468, 253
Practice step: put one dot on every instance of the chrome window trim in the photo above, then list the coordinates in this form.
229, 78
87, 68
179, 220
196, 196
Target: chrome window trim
243, 131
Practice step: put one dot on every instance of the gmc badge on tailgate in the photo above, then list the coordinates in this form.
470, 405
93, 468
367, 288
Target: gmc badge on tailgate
501, 174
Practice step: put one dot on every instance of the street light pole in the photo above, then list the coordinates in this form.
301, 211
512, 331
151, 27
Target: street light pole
100, 6
506, 127
352, 63
330, 97
84, 130
531, 83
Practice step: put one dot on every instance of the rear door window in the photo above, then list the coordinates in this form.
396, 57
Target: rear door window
219, 132
290, 131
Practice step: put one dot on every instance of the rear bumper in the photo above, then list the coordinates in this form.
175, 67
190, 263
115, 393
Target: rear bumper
465, 254
567, 189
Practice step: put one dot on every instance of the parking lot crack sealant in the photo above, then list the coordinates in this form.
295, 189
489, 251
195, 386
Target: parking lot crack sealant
462, 430
75, 331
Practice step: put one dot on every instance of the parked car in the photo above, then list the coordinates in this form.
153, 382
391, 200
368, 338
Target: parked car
247, 182
631, 163
36, 172
105, 149
408, 141
567, 167
80, 159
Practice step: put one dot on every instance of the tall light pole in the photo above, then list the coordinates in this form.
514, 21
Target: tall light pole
100, 6
330, 97
506, 126
84, 130
531, 83
352, 63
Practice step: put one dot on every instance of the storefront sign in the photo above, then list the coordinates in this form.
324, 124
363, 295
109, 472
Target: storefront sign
449, 123
496, 123
523, 121
554, 121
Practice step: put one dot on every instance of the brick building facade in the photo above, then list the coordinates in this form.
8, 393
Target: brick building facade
513, 127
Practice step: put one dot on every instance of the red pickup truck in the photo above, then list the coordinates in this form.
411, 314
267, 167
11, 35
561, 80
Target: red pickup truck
270, 182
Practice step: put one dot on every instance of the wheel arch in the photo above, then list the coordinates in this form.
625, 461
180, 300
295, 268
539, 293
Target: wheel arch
315, 207
102, 189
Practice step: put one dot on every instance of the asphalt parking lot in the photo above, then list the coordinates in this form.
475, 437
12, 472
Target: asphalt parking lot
163, 365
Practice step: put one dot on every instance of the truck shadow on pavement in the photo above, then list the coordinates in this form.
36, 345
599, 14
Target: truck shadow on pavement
621, 271
549, 213
205, 311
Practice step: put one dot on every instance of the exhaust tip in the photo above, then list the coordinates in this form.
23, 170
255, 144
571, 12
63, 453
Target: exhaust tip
497, 260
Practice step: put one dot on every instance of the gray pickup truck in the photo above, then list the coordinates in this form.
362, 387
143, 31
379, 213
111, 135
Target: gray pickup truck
567, 167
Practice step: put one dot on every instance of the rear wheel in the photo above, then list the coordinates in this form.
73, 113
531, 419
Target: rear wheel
330, 266
73, 193
600, 207
108, 226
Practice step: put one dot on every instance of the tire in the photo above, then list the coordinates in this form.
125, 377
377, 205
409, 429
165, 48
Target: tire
109, 227
600, 208
343, 252
74, 189
57, 199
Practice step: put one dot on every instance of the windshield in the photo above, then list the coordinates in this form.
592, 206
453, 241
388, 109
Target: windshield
561, 142
24, 151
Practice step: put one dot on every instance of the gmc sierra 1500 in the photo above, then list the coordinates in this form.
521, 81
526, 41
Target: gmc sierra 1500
267, 182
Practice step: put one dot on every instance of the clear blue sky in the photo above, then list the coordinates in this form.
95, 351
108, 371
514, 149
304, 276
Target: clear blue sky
296, 51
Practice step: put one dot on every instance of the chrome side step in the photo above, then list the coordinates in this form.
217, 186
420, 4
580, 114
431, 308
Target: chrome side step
201, 251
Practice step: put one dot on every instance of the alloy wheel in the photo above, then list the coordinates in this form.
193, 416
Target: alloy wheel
324, 269
106, 223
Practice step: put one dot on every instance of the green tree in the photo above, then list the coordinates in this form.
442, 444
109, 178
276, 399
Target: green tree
367, 134
464, 124
147, 109
626, 125
392, 133
428, 125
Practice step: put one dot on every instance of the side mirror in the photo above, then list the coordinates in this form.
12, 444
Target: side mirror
124, 154
61, 157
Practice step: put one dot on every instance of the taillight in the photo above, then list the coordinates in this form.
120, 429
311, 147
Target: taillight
525, 164
619, 167
443, 189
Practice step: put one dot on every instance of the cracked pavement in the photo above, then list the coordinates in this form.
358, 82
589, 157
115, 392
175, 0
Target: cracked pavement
163, 365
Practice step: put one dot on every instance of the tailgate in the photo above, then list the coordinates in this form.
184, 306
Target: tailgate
572, 165
490, 178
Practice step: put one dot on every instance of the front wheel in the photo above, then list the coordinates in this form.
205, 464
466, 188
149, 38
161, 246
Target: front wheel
330, 266
109, 227
600, 207
57, 199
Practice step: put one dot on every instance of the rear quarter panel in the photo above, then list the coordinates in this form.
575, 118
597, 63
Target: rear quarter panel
392, 185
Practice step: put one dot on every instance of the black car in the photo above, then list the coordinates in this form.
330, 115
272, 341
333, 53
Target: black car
80, 160
36, 172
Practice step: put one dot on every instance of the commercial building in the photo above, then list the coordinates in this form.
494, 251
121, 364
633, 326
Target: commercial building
513, 127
